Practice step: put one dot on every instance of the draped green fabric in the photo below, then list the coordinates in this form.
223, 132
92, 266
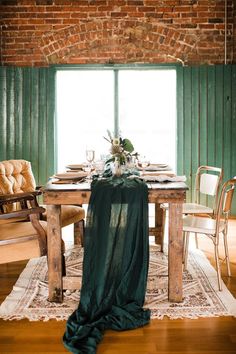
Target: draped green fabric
115, 266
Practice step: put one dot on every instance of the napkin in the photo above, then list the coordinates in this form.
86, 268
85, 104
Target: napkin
158, 173
157, 168
163, 178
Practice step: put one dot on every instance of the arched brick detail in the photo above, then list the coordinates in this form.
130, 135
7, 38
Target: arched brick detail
117, 41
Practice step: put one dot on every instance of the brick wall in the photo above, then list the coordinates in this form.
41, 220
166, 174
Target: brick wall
43, 32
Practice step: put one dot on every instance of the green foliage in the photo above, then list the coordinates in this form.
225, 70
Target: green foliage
121, 149
127, 145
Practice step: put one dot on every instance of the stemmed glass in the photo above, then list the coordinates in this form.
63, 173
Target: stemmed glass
143, 162
90, 155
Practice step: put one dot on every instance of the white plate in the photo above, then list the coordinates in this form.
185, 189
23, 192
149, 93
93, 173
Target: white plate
159, 165
155, 167
76, 175
75, 167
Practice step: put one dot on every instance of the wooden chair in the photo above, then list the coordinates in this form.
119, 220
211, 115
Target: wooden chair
22, 234
16, 176
212, 227
207, 184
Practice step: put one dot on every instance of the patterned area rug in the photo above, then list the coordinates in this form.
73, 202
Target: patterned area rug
28, 298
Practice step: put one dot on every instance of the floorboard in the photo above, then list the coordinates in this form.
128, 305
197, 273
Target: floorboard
199, 336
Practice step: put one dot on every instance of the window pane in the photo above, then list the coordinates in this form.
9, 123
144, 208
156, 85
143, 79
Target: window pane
85, 110
147, 112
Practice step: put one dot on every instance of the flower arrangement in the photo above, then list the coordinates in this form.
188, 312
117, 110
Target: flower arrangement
121, 149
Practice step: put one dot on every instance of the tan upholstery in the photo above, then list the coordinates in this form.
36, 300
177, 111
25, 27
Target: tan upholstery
23, 247
11, 220
70, 214
16, 176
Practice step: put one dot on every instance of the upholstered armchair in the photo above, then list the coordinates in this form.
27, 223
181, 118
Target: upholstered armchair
16, 177
22, 234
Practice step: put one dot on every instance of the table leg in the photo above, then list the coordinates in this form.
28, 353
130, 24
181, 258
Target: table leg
159, 226
158, 229
54, 242
175, 250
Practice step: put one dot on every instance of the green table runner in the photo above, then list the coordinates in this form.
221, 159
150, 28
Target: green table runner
115, 266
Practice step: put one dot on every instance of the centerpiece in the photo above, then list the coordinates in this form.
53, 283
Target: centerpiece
122, 152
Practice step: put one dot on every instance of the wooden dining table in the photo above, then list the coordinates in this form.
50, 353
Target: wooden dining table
55, 195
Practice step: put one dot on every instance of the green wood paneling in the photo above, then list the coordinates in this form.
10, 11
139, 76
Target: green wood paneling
227, 116
206, 119
27, 104
180, 120
26, 114
211, 96
50, 117
219, 116
34, 118
203, 131
233, 129
10, 113
206, 107
42, 123
194, 125
18, 113
187, 126
3, 113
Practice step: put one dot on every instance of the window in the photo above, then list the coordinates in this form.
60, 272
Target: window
138, 103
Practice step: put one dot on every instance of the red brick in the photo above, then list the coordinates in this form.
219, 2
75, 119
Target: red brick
118, 14
207, 26
165, 9
182, 8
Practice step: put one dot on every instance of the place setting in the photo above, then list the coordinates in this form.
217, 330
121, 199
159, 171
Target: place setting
74, 167
155, 172
69, 178
77, 173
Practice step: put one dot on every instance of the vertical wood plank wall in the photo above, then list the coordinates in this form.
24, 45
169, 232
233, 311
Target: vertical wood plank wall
206, 119
27, 110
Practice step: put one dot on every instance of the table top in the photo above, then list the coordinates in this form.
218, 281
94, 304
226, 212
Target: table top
85, 186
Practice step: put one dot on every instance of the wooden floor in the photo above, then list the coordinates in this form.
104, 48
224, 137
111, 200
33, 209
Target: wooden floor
201, 336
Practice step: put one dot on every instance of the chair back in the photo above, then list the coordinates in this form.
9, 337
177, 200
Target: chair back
225, 201
16, 176
207, 182
226, 198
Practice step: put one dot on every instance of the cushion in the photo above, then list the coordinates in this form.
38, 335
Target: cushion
9, 221
23, 250
70, 214
16, 177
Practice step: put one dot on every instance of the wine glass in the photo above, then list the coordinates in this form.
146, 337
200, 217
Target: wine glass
90, 155
99, 166
143, 162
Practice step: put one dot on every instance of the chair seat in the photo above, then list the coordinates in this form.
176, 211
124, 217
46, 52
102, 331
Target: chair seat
193, 208
70, 214
25, 247
201, 225
9, 221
